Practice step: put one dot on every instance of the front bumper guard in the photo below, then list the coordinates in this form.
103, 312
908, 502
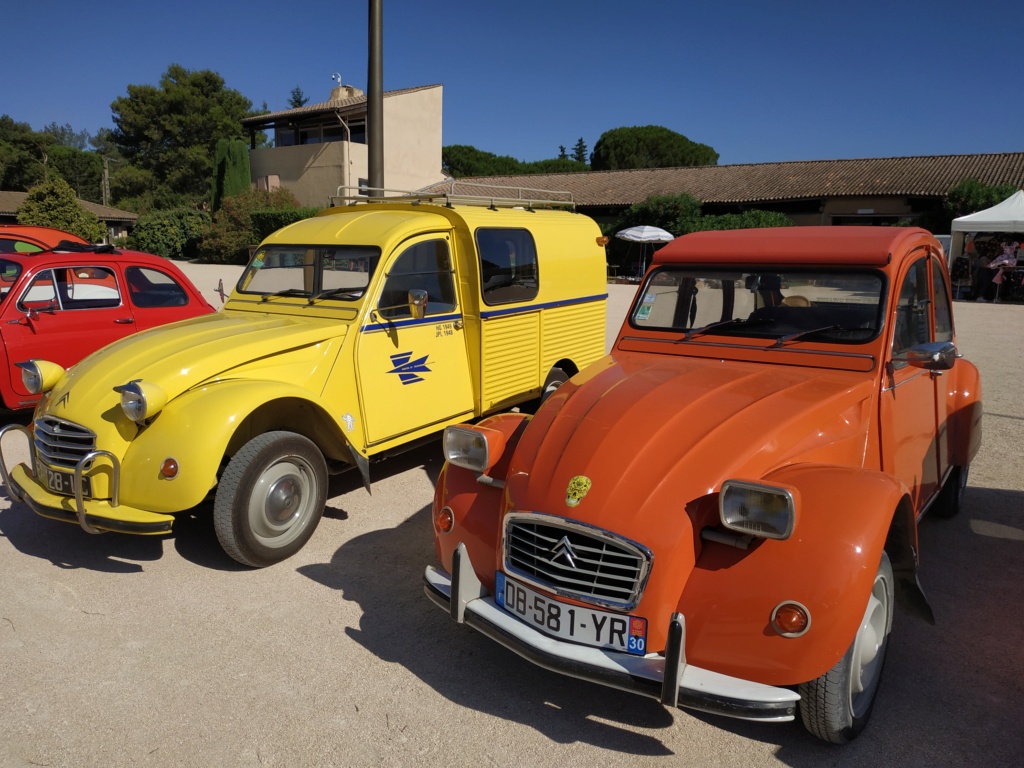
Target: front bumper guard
22, 486
667, 678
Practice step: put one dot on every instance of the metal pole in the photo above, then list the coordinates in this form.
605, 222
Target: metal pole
375, 102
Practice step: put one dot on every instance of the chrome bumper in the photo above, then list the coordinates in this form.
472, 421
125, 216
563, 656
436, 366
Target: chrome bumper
19, 494
668, 678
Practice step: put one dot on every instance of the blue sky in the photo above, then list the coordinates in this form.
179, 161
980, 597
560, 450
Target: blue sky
758, 81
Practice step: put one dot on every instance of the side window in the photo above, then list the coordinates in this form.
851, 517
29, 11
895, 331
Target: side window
912, 311
425, 266
153, 288
943, 313
508, 265
41, 292
71, 288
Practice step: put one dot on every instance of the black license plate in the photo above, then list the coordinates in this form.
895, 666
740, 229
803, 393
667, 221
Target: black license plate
64, 482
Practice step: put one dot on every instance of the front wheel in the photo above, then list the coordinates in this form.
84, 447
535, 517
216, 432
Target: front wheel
836, 706
270, 498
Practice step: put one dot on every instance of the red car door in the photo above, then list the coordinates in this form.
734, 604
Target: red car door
63, 314
157, 297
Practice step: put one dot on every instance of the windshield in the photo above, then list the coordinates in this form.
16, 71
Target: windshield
820, 304
340, 272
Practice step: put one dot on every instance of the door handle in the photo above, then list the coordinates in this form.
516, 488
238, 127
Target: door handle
125, 320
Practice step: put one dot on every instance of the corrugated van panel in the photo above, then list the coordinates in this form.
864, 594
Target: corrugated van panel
576, 332
511, 357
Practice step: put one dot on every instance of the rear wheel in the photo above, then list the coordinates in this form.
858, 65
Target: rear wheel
951, 496
270, 498
837, 705
556, 378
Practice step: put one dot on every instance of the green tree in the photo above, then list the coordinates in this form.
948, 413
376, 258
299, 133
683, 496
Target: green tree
230, 169
460, 160
649, 146
66, 136
971, 195
82, 170
228, 239
23, 155
53, 204
170, 131
579, 151
562, 154
298, 98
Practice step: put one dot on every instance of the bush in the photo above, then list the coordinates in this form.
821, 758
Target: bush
53, 204
267, 222
227, 239
173, 234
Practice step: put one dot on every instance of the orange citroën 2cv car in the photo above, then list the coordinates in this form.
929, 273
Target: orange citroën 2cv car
722, 513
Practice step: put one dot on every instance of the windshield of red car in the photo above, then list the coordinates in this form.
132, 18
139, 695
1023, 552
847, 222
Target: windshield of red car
340, 272
843, 306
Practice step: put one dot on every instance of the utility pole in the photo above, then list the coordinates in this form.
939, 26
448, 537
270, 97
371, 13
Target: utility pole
375, 102
106, 181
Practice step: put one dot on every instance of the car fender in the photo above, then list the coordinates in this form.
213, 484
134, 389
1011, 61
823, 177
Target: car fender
964, 407
201, 426
828, 565
476, 506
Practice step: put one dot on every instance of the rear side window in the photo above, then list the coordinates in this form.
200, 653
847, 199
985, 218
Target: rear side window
152, 288
508, 265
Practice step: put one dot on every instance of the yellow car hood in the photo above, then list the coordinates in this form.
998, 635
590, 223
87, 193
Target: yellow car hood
182, 355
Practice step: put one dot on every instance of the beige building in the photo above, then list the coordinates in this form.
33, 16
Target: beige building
321, 148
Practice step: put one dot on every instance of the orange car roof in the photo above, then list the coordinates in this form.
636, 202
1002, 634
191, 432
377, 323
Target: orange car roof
843, 246
45, 237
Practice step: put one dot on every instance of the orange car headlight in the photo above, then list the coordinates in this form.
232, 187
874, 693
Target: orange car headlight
765, 511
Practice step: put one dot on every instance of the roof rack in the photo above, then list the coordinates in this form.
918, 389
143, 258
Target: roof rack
493, 196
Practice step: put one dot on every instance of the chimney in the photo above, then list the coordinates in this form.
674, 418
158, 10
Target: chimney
341, 92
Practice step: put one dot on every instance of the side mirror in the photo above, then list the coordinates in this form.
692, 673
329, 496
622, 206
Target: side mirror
933, 356
417, 303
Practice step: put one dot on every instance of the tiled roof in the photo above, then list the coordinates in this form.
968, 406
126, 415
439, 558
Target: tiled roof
11, 201
325, 106
927, 176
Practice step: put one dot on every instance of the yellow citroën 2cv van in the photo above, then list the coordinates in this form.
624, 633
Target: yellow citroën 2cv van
350, 335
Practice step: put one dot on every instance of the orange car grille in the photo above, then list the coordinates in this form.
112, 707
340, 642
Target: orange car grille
576, 560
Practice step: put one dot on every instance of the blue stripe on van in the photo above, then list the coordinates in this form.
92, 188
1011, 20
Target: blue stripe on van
432, 320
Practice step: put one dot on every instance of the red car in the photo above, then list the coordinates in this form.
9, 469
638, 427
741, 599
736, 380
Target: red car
67, 301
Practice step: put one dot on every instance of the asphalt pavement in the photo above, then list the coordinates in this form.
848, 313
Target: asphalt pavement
130, 651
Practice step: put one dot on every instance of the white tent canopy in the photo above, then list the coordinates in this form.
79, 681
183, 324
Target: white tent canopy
1007, 216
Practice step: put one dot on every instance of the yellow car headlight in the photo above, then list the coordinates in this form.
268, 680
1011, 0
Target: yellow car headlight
765, 511
40, 375
141, 400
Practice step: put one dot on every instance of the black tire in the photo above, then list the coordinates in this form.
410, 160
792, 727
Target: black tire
270, 498
837, 705
951, 497
556, 378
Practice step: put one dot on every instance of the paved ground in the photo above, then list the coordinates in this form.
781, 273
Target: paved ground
124, 651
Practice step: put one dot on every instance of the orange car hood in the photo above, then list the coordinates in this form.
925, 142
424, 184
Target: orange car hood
657, 434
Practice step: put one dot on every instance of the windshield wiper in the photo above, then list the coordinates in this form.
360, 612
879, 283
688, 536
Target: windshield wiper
781, 341
694, 332
330, 293
285, 292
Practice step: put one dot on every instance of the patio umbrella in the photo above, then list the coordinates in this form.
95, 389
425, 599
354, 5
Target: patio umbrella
644, 234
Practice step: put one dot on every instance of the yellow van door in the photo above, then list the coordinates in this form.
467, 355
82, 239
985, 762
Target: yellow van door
414, 372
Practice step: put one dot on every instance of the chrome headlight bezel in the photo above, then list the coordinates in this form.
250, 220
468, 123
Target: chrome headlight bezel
40, 376
758, 509
467, 448
141, 401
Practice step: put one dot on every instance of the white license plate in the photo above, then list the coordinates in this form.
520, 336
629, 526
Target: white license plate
586, 626
64, 482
